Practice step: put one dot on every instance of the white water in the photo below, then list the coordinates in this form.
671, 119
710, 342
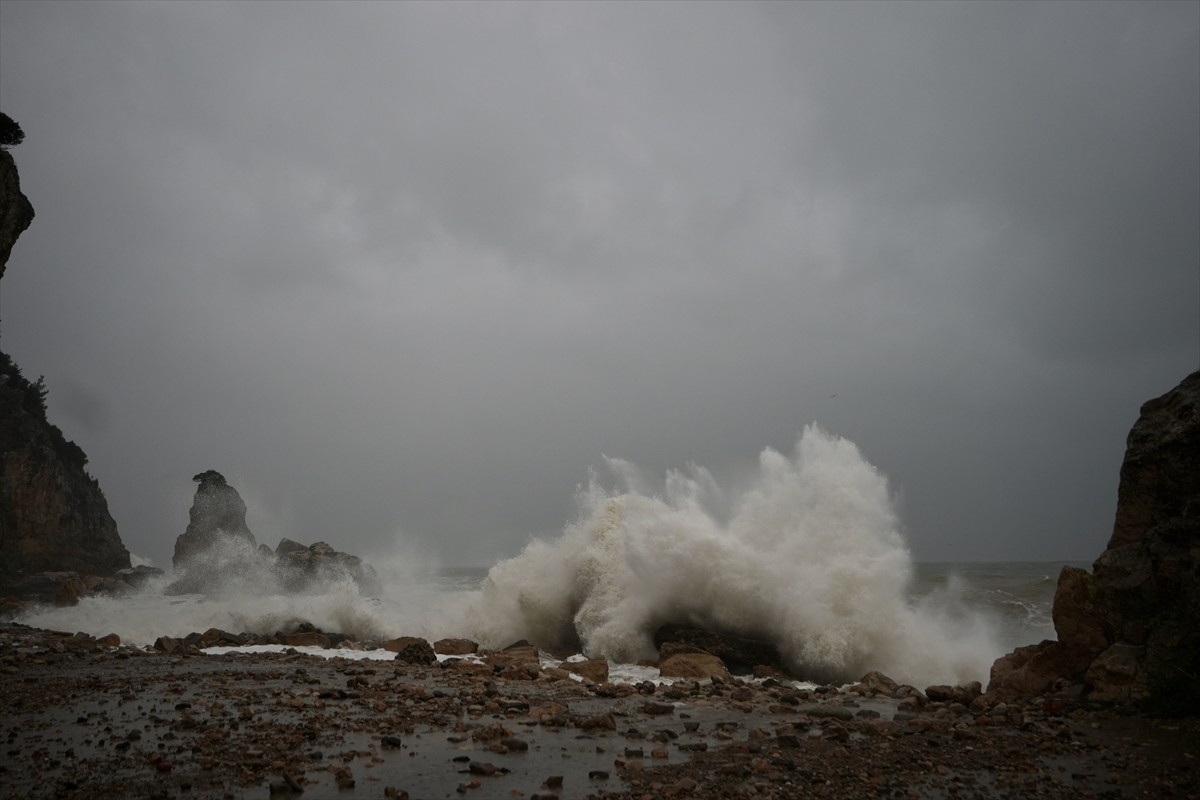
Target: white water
808, 554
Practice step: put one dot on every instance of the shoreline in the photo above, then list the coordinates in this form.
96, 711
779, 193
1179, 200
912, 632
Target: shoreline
82, 718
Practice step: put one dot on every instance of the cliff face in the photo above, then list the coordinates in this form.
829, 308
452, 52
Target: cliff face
1129, 630
16, 212
53, 516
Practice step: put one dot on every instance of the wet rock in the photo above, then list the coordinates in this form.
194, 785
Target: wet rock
1131, 626
740, 654
699, 666
515, 655
455, 647
595, 670
411, 650
875, 683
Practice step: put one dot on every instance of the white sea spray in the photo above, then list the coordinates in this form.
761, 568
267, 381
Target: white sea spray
809, 557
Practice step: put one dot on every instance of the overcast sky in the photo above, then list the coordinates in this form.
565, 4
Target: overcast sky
407, 271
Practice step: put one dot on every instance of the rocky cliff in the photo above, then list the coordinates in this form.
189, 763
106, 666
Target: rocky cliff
1129, 630
16, 212
53, 517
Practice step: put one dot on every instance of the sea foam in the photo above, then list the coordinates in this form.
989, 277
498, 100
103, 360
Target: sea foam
809, 556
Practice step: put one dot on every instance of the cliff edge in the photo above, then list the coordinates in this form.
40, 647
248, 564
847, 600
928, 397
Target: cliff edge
1129, 630
57, 537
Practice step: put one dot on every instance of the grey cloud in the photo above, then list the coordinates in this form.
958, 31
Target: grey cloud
416, 267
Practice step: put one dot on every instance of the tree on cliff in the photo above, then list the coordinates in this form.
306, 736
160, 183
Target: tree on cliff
11, 134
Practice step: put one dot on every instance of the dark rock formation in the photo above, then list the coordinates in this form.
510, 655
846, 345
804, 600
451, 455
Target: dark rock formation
1129, 630
218, 514
300, 567
218, 551
16, 212
740, 654
53, 516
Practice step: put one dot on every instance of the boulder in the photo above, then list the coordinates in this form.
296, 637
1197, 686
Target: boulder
739, 653
699, 666
594, 669
517, 654
876, 683
411, 650
1129, 628
455, 647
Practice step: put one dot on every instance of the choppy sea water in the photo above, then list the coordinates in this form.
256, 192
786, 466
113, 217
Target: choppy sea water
1013, 598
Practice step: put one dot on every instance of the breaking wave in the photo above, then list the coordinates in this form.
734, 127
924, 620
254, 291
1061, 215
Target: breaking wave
808, 556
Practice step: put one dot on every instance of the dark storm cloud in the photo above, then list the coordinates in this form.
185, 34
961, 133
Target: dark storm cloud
407, 267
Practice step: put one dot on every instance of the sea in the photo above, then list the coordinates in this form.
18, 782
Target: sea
807, 552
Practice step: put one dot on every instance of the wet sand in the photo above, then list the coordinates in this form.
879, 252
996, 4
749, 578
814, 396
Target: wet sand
82, 719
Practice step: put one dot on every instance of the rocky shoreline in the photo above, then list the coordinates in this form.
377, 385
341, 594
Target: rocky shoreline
92, 718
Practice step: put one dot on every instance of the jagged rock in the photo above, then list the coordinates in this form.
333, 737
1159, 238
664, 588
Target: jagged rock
1129, 629
217, 515
739, 653
411, 650
302, 567
53, 516
16, 212
876, 683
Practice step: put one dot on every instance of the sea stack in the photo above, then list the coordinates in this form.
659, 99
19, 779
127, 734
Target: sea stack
218, 514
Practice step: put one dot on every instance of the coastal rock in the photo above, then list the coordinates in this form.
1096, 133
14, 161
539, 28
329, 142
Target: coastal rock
1128, 629
302, 567
218, 551
594, 669
411, 650
16, 212
455, 647
53, 516
217, 517
740, 654
699, 666
876, 683
517, 654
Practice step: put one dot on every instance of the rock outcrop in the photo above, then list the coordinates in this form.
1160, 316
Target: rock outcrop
217, 517
16, 212
218, 552
739, 653
53, 517
300, 567
1129, 630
